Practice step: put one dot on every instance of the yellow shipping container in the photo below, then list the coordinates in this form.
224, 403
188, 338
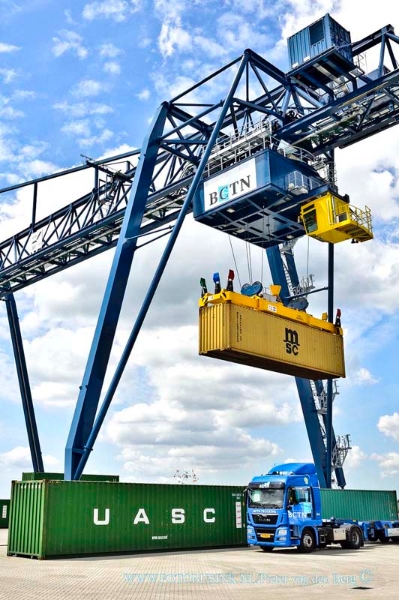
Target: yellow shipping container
258, 339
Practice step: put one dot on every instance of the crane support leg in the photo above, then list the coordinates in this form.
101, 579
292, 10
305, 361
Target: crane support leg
313, 429
76, 458
104, 334
24, 386
329, 426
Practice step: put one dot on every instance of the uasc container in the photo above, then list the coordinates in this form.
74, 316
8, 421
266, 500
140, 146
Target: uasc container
60, 518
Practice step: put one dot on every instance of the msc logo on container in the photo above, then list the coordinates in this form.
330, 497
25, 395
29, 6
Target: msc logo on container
291, 341
230, 191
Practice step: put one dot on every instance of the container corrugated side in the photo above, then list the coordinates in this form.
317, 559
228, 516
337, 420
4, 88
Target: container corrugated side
317, 38
363, 505
25, 535
4, 513
60, 477
259, 339
82, 518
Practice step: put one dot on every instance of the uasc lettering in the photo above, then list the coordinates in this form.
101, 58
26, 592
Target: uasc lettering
177, 516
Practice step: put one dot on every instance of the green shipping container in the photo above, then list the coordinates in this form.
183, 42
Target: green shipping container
4, 511
67, 518
363, 505
60, 477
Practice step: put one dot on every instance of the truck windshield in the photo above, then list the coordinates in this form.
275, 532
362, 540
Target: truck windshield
266, 498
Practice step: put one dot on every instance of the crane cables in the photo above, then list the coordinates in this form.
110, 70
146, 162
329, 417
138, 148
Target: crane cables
235, 262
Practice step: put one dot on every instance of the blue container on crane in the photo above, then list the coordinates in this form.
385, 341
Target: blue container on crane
323, 35
321, 56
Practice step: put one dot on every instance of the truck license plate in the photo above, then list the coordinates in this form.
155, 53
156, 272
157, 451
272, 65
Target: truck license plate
265, 535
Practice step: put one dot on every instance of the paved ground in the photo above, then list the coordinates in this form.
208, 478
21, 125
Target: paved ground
236, 574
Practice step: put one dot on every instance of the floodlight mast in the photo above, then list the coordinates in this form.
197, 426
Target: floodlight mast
325, 102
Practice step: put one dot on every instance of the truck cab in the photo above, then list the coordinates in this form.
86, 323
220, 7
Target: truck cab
284, 510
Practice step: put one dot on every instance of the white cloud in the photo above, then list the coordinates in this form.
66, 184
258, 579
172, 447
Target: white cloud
82, 109
83, 131
355, 458
89, 87
20, 458
226, 450
210, 47
6, 48
172, 37
8, 112
388, 463
69, 41
122, 149
166, 9
144, 42
78, 128
37, 168
109, 50
24, 95
97, 140
8, 75
364, 377
112, 67
144, 94
117, 10
239, 33
389, 425
68, 17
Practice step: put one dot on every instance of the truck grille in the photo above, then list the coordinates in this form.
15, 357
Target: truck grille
265, 519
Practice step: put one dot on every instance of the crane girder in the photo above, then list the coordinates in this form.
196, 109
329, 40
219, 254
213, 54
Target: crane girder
91, 224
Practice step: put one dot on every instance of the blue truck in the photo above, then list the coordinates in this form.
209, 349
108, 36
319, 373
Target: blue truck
284, 509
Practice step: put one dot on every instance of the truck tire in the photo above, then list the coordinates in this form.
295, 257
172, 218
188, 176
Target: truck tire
355, 539
267, 548
307, 544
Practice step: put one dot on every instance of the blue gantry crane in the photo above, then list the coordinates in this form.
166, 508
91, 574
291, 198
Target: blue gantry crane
246, 165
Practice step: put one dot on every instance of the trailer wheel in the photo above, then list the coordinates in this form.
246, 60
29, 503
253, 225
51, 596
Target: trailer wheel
355, 539
307, 544
267, 548
372, 537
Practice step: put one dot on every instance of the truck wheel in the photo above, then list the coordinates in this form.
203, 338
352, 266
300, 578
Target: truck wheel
307, 544
267, 548
355, 538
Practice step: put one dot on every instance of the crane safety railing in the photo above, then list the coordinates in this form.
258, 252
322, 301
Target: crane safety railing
342, 211
233, 148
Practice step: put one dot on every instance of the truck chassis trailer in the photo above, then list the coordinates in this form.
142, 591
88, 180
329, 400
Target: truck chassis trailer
284, 509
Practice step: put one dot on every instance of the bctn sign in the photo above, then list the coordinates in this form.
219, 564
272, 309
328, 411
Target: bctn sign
230, 185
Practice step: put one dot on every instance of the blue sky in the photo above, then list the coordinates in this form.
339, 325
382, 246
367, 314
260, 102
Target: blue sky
86, 78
